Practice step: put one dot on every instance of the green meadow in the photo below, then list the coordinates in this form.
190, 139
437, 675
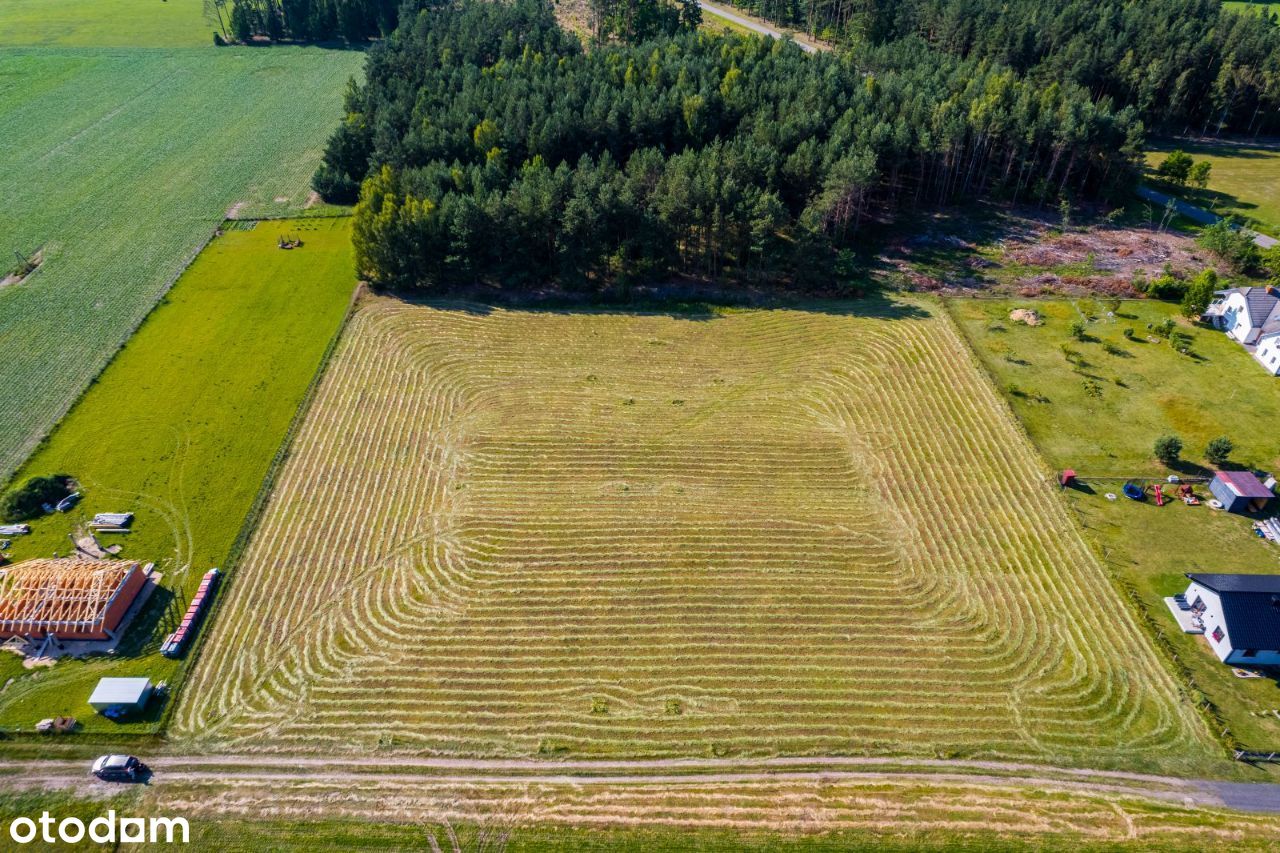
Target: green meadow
181, 429
1097, 405
1244, 181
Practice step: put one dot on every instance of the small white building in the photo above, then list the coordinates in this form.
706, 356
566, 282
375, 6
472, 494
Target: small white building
1250, 315
1239, 615
120, 695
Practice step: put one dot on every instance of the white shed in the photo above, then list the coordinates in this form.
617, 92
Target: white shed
124, 694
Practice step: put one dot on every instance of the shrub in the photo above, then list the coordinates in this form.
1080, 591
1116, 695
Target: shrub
1199, 293
1077, 329
1228, 241
1168, 448
1218, 451
28, 500
1167, 287
1176, 168
1129, 333
1091, 388
1111, 349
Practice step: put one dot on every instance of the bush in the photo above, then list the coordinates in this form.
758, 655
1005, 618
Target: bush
1167, 287
1176, 168
1168, 448
1077, 329
1228, 241
1218, 451
1129, 333
28, 500
1199, 293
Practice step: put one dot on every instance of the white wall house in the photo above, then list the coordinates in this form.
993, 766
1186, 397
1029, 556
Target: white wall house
1251, 316
1240, 615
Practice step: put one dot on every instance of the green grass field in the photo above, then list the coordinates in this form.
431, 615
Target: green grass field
1082, 417
1244, 182
181, 429
105, 23
119, 164
745, 532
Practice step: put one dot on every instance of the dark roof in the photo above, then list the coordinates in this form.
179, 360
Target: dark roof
1244, 484
1250, 607
1238, 583
1261, 301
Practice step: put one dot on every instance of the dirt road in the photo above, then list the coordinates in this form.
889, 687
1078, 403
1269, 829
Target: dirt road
233, 770
756, 26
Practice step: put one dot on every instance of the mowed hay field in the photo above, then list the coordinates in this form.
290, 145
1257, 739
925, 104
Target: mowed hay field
748, 532
118, 165
181, 430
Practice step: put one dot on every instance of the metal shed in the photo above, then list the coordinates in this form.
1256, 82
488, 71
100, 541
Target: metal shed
1241, 491
120, 695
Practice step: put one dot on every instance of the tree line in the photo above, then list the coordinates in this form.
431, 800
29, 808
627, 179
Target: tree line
486, 145
1185, 65
302, 20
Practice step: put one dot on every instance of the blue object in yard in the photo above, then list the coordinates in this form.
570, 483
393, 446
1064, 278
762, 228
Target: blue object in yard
1134, 492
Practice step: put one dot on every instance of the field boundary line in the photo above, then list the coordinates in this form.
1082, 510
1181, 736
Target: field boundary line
256, 510
1184, 680
6, 480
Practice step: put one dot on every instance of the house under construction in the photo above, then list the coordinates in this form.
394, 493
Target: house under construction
71, 599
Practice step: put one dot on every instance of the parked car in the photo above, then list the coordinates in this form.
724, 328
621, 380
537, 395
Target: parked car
120, 768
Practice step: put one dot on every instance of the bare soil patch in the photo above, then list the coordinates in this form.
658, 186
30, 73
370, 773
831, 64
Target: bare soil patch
1028, 253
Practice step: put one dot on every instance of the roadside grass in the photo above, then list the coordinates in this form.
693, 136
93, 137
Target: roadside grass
1082, 417
1244, 181
180, 429
119, 164
105, 23
718, 23
735, 532
1253, 6
64, 804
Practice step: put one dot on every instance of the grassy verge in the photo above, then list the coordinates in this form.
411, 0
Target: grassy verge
1097, 407
181, 429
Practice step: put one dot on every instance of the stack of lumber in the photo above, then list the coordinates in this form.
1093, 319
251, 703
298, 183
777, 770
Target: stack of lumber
174, 643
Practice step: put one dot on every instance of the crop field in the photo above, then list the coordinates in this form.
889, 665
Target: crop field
732, 532
118, 166
105, 23
1244, 181
1100, 412
180, 430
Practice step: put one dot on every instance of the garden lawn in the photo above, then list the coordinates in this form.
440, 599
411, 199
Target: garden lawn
181, 430
1082, 417
1244, 181
118, 165
105, 23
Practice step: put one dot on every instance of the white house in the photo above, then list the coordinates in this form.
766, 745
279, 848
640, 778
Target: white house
1250, 315
1239, 615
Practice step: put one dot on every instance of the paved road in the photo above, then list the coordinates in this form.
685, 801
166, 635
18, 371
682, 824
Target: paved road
1199, 214
754, 26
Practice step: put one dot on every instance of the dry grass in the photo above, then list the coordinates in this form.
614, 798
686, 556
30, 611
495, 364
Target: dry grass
758, 532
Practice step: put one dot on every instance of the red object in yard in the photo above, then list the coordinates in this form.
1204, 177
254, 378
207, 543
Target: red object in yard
1068, 477
1159, 495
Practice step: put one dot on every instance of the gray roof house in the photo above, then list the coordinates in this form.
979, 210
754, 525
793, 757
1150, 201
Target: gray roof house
1250, 315
1240, 616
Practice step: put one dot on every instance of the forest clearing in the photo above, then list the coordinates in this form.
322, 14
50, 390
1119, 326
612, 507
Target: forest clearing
553, 533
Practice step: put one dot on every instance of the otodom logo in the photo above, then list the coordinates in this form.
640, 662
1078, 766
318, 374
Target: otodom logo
104, 829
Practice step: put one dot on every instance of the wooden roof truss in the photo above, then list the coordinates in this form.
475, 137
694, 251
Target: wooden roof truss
53, 595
